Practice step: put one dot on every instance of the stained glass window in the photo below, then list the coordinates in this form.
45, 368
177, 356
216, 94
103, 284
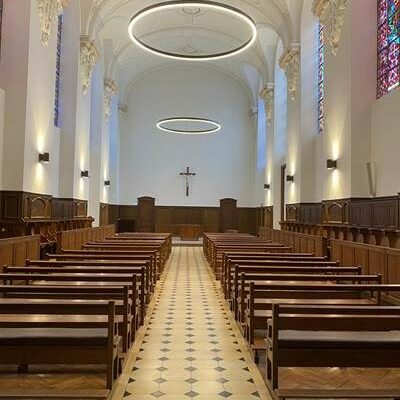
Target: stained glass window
388, 46
58, 73
321, 76
1, 21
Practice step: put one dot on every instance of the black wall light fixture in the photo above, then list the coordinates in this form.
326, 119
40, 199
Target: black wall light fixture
290, 178
267, 186
107, 183
44, 158
85, 174
331, 164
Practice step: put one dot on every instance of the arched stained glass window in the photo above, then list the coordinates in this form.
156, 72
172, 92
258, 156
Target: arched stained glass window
388, 46
58, 73
321, 77
1, 21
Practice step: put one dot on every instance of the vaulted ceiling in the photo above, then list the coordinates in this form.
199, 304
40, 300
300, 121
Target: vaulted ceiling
191, 31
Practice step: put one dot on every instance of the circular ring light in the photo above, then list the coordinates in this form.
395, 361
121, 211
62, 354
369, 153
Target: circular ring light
193, 4
214, 126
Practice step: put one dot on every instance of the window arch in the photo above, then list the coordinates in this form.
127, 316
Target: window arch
388, 46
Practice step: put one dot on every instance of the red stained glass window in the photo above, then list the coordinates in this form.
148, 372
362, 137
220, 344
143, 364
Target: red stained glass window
321, 76
388, 46
58, 73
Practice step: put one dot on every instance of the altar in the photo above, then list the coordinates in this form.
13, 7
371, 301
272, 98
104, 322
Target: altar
190, 231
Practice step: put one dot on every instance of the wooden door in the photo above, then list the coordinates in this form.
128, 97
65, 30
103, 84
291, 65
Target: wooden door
146, 214
228, 215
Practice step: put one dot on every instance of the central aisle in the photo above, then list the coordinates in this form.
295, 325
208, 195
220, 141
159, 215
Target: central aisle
191, 348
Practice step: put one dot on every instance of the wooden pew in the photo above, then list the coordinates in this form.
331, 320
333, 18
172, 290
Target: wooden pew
127, 309
233, 256
146, 280
35, 333
167, 237
238, 296
258, 287
305, 292
216, 263
90, 255
151, 276
332, 336
159, 247
271, 263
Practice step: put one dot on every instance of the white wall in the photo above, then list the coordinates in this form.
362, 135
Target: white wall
13, 79
40, 132
151, 161
386, 143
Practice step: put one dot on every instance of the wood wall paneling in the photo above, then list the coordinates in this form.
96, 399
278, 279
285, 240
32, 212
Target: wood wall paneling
14, 251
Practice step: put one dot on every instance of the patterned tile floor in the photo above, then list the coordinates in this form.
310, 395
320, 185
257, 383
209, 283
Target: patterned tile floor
191, 348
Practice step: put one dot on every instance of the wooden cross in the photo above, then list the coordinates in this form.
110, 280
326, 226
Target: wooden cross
187, 176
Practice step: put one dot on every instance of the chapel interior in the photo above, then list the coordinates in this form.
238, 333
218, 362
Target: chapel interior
199, 199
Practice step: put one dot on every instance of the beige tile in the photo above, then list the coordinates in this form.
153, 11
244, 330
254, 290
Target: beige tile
208, 387
175, 387
181, 290
142, 387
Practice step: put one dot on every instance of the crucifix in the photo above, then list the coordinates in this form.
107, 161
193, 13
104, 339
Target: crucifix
187, 176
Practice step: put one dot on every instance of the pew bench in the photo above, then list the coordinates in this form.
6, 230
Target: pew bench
332, 336
231, 258
151, 276
98, 255
243, 275
243, 265
51, 291
48, 334
255, 288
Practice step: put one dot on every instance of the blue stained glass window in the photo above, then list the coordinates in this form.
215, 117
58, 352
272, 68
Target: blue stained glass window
388, 46
321, 77
58, 73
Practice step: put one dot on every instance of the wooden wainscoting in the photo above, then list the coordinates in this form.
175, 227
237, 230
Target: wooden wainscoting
373, 259
74, 239
171, 218
14, 251
300, 242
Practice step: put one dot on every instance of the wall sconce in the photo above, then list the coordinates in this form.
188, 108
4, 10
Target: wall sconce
85, 174
290, 178
107, 183
44, 158
267, 186
331, 164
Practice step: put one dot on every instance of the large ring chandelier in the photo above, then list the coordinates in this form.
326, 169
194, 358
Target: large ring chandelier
213, 126
210, 5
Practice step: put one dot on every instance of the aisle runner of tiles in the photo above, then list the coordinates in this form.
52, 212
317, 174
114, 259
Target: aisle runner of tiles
190, 350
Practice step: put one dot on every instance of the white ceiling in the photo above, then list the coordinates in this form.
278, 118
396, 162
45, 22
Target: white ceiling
107, 21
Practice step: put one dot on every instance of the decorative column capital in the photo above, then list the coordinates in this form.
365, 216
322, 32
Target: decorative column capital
267, 95
331, 15
89, 56
110, 90
290, 63
48, 12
